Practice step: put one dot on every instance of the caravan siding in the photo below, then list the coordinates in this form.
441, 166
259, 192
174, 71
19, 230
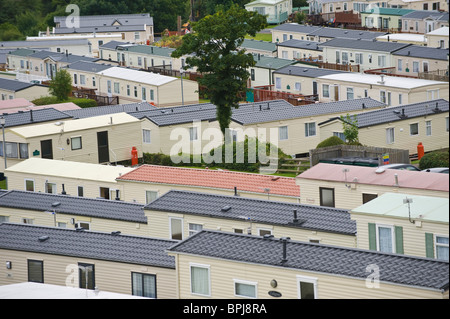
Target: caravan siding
224, 273
62, 270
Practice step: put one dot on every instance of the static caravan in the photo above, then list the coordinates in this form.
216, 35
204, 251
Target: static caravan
400, 127
218, 264
350, 186
111, 261
100, 139
148, 182
77, 178
407, 224
176, 215
391, 90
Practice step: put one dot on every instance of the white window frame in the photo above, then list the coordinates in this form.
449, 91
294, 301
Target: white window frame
308, 133
78, 191
311, 280
283, 137
435, 236
192, 136
428, 128
78, 224
170, 227
208, 267
30, 180
298, 86
278, 83
194, 231
390, 140
150, 191
146, 138
53, 188
248, 283
400, 65
431, 94
350, 91
416, 66
391, 227
327, 91
382, 60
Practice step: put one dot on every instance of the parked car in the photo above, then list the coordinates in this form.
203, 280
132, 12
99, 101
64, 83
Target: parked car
436, 170
408, 167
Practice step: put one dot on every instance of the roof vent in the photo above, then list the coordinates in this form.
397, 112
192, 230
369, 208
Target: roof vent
115, 233
380, 170
437, 109
226, 208
284, 240
56, 204
268, 236
43, 238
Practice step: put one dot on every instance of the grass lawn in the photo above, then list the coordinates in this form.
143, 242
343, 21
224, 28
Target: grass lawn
261, 36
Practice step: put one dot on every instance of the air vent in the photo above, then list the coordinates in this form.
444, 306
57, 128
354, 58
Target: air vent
43, 238
115, 233
56, 204
226, 208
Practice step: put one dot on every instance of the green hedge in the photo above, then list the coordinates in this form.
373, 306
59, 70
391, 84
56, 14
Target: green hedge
194, 161
331, 141
434, 159
47, 100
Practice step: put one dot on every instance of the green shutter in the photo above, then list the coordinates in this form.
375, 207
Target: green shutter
429, 245
399, 239
372, 237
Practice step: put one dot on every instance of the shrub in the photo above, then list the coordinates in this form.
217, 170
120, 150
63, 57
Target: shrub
46, 100
84, 103
331, 141
434, 159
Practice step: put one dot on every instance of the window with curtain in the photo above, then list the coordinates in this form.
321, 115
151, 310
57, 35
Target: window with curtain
193, 133
350, 94
283, 133
23, 150
325, 90
143, 285
146, 136
310, 129
385, 239
12, 150
150, 196
245, 289
442, 243
390, 136
428, 127
200, 280
194, 228
86, 275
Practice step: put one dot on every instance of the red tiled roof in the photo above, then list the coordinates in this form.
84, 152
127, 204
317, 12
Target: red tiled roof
367, 175
214, 179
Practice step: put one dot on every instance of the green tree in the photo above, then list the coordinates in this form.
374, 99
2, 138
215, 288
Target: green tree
350, 127
61, 85
215, 43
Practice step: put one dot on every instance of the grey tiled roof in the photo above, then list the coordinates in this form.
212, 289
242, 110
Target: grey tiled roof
80, 206
339, 261
109, 20
393, 114
260, 211
422, 14
327, 32
250, 113
110, 109
304, 111
369, 45
301, 44
43, 43
259, 45
33, 116
61, 57
89, 66
304, 71
14, 85
419, 51
294, 27
87, 244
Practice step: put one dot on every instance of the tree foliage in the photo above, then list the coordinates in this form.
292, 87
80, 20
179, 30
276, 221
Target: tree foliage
215, 43
350, 127
61, 85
